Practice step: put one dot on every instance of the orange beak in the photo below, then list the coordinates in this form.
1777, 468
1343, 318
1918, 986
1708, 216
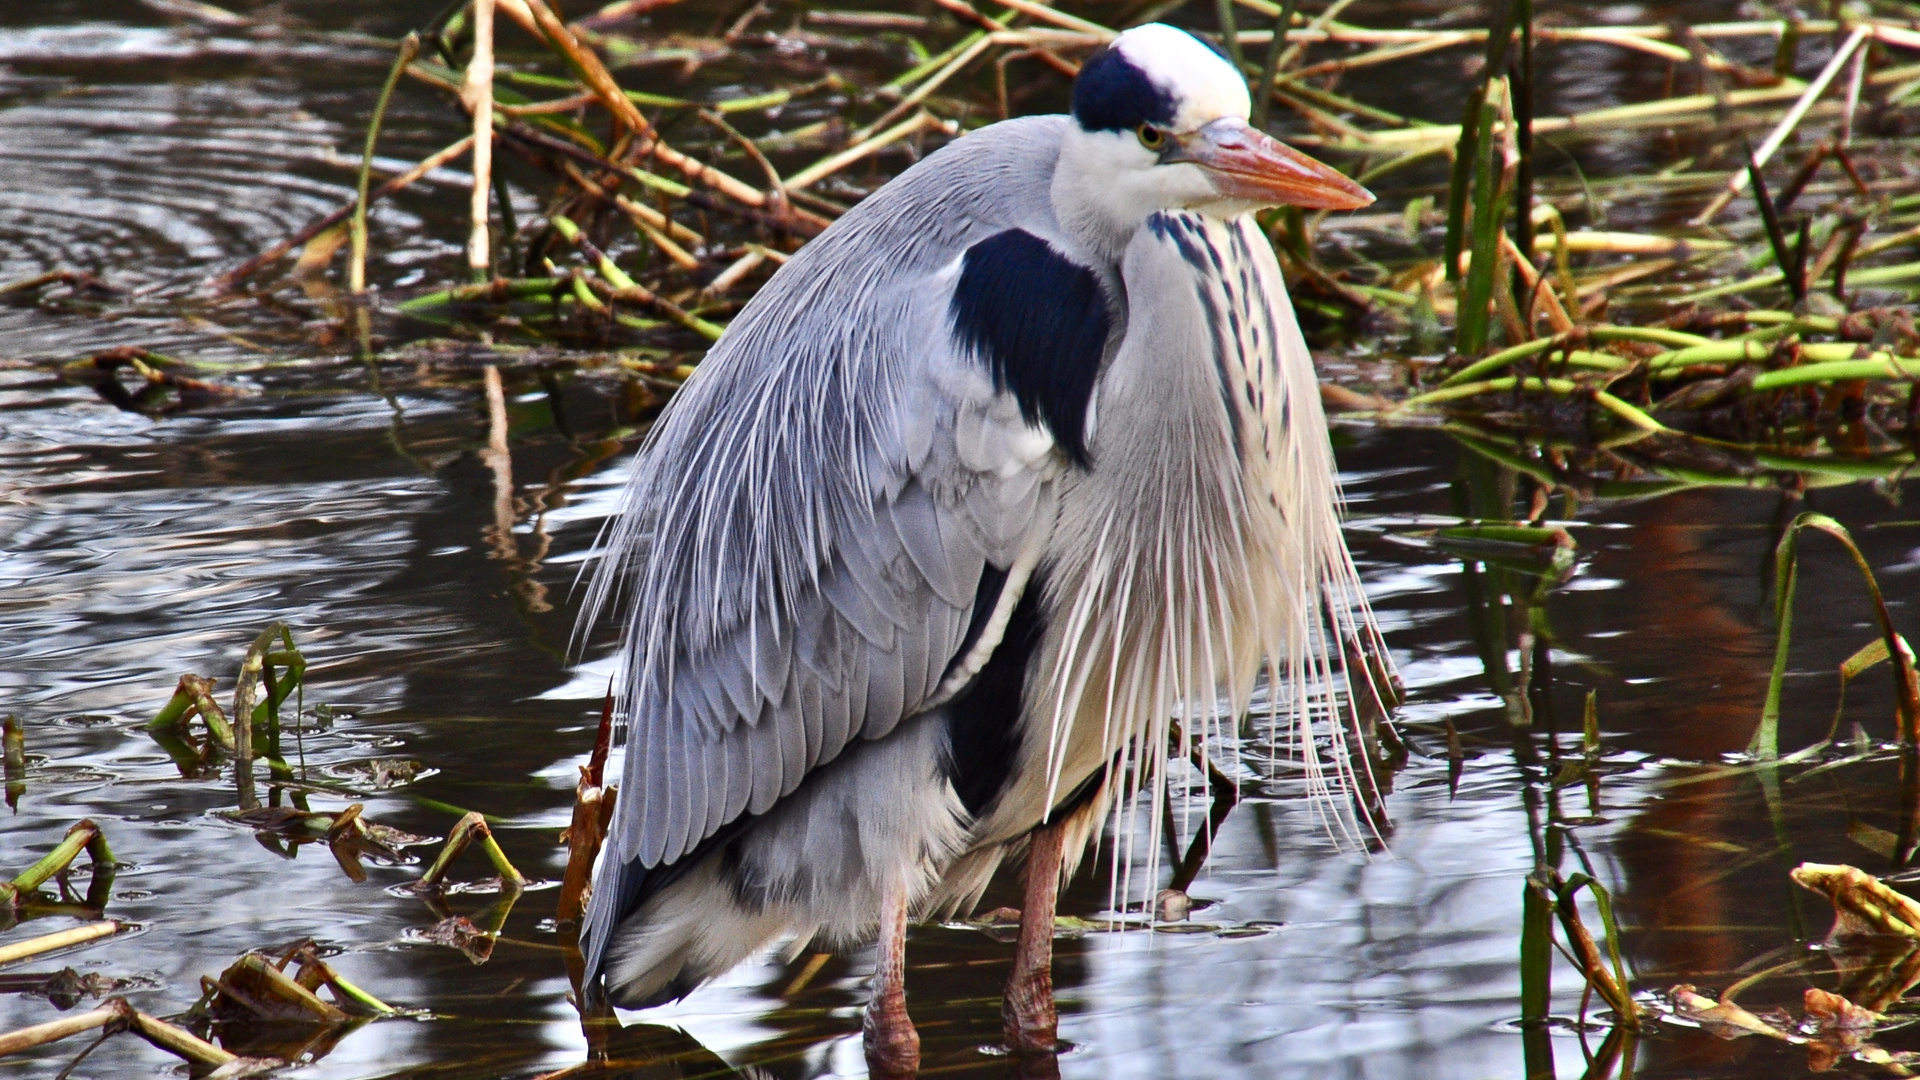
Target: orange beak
1249, 164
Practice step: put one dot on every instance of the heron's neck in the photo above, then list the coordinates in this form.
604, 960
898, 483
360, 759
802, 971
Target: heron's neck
1098, 197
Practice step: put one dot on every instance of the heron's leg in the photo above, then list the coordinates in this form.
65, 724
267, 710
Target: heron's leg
893, 1046
1032, 1024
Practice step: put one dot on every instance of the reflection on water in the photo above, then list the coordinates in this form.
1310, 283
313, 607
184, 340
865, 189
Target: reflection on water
138, 551
424, 546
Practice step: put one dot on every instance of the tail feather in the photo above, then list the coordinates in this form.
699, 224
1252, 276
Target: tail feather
687, 933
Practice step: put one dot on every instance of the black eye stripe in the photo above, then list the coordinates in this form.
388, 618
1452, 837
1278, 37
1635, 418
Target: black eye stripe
1113, 95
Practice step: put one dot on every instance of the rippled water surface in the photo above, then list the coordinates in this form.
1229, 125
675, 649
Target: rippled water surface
368, 515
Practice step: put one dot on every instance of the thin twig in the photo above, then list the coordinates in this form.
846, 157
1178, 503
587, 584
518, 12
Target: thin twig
1059, 18
746, 144
595, 75
793, 220
970, 13
1854, 79
63, 939
735, 272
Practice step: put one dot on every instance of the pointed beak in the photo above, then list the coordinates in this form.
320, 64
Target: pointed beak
1245, 163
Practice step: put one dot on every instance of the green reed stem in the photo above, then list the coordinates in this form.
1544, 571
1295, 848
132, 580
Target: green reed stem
1270, 67
1230, 34
1489, 210
1536, 953
1473, 137
357, 270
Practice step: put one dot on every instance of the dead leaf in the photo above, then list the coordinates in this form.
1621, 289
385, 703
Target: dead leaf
1723, 1018
1831, 1013
1862, 903
1838, 1026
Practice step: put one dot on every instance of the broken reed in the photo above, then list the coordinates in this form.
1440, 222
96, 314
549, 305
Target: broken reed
1891, 647
83, 836
253, 988
272, 671
1550, 899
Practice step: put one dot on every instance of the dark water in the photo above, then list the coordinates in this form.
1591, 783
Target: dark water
363, 507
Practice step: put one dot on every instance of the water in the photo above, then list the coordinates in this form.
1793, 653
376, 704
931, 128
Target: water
135, 548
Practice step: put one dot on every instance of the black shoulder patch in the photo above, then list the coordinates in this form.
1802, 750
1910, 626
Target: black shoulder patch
1110, 94
983, 720
1039, 321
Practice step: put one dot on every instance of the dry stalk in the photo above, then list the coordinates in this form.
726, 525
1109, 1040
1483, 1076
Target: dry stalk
928, 86
1060, 19
478, 96
468, 829
64, 939
598, 79
1542, 297
1593, 966
115, 1015
592, 812
357, 265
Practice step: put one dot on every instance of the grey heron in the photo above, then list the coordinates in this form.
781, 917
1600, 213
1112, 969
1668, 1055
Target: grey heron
1020, 458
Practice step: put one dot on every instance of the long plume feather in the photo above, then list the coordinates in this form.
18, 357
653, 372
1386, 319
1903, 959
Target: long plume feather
1202, 567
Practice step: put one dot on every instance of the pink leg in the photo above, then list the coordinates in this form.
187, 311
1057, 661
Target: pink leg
893, 1046
1032, 1025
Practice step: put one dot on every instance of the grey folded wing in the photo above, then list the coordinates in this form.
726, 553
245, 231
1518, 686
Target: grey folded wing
814, 549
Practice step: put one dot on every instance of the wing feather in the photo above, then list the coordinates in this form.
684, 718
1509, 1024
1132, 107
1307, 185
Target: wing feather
860, 609
917, 523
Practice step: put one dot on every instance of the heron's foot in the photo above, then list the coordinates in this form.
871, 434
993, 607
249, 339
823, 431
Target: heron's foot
893, 1046
1031, 1021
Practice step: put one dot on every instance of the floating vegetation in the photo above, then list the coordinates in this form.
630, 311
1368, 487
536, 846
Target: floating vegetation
1861, 903
381, 774
259, 988
162, 384
22, 894
1833, 1024
652, 238
348, 835
255, 990
115, 1016
63, 939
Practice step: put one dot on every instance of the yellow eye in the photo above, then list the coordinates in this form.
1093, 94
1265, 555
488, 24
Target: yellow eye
1152, 137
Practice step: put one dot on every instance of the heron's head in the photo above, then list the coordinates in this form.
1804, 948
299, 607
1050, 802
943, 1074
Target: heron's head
1161, 124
